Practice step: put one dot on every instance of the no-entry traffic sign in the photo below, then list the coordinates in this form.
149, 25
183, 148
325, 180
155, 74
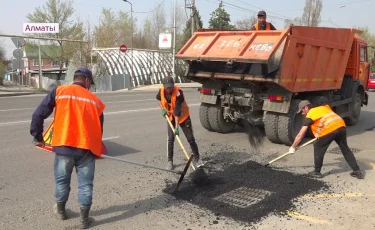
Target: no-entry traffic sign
123, 48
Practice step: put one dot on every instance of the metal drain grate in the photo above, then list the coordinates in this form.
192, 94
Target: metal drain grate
337, 150
243, 197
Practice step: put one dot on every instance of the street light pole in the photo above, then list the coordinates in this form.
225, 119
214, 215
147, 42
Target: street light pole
174, 42
132, 58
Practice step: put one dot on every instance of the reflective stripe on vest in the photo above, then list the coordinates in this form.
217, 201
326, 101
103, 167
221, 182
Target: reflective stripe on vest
185, 112
77, 119
78, 98
325, 120
268, 26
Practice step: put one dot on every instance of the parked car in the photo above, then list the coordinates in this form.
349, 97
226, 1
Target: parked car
371, 81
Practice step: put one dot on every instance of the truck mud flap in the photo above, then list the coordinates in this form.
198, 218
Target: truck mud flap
276, 106
209, 99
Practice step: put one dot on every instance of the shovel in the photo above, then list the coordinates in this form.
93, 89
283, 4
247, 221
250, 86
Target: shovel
178, 138
286, 154
198, 176
182, 174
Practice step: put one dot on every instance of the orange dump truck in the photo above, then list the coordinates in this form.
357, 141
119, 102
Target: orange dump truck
261, 76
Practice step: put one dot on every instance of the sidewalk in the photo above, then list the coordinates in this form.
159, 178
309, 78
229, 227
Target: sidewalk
12, 89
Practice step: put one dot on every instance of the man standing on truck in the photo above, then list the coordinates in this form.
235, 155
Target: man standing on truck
175, 107
262, 24
326, 126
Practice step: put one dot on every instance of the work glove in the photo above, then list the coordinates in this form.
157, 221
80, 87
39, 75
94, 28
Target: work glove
292, 150
164, 112
38, 143
176, 131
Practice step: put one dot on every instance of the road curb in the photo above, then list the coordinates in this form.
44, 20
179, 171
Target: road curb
15, 94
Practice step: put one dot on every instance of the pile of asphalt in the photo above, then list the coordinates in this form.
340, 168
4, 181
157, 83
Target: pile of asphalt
281, 188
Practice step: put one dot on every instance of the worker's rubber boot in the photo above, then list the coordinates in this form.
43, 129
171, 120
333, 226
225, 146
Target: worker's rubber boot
315, 174
357, 174
197, 161
169, 165
59, 210
85, 222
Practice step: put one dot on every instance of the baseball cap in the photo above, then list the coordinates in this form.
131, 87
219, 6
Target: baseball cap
168, 82
83, 71
262, 13
302, 104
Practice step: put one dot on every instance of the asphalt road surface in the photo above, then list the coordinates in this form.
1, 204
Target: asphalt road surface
240, 194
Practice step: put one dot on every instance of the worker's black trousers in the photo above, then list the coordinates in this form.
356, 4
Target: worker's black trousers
187, 128
322, 144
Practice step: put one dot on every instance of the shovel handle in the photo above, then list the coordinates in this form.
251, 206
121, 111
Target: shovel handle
140, 164
285, 154
178, 138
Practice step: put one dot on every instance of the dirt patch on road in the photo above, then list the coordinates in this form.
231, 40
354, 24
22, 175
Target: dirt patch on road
247, 191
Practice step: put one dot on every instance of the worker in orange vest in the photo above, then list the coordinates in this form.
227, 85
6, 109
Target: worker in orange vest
174, 105
262, 23
327, 127
76, 141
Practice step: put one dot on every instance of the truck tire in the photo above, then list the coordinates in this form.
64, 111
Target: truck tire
270, 127
203, 116
217, 122
289, 124
355, 111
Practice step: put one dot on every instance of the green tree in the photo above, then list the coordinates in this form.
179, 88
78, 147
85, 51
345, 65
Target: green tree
220, 19
187, 30
55, 11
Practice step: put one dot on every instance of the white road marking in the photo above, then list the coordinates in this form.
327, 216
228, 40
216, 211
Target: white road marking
6, 110
108, 113
111, 102
140, 110
110, 138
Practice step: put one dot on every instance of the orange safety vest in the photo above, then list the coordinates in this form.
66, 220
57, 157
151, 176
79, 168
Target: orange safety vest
76, 119
325, 120
185, 112
268, 26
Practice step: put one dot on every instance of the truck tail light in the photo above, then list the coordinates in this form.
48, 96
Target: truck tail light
275, 98
207, 91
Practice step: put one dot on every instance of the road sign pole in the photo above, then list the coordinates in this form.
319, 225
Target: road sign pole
40, 67
19, 66
123, 49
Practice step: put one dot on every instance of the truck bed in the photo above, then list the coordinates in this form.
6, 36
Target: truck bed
299, 58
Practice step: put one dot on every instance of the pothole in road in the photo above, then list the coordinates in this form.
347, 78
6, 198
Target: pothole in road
247, 192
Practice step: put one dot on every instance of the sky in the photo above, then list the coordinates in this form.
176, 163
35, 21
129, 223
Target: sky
335, 13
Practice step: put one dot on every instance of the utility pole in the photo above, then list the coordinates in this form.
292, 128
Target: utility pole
174, 43
192, 16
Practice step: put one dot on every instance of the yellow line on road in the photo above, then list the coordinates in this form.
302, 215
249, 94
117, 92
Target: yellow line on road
307, 218
333, 195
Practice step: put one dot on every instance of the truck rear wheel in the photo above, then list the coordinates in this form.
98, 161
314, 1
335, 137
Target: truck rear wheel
355, 109
270, 127
203, 116
290, 124
217, 122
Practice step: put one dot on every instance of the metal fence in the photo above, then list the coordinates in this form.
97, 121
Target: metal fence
149, 67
